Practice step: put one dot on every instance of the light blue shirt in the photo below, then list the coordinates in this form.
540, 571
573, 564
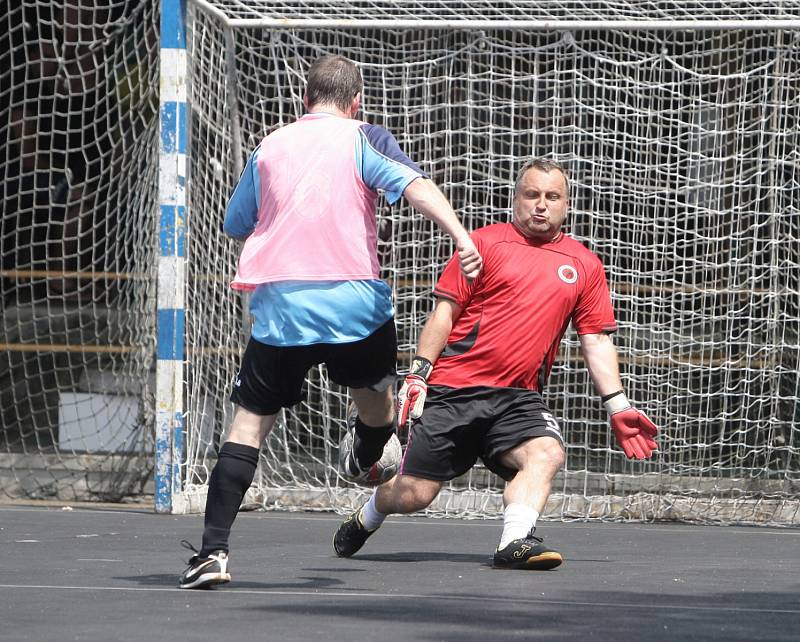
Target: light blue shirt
298, 313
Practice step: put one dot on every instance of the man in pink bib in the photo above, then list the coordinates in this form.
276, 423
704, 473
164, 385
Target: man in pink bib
305, 206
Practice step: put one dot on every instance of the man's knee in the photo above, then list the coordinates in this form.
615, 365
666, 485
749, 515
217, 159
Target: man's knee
548, 452
540, 453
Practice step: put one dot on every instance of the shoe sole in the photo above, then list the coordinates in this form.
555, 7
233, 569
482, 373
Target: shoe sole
543, 562
207, 580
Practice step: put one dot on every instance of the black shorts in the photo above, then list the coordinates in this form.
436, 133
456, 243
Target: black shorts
460, 425
272, 377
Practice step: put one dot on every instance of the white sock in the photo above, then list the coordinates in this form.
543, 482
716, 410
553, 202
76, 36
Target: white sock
370, 517
518, 520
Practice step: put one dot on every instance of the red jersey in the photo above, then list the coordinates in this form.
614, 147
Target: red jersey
515, 313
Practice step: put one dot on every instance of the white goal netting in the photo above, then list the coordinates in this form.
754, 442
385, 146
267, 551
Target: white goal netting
683, 149
78, 174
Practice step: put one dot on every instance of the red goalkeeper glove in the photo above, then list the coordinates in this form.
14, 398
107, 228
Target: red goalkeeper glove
633, 429
411, 398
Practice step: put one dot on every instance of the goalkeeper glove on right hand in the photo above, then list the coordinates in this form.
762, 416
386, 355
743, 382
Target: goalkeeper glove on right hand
633, 429
411, 398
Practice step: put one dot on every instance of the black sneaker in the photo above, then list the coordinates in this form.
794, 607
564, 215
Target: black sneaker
527, 553
351, 536
205, 572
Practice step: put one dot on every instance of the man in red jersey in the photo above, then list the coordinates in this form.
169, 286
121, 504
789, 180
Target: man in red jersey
486, 352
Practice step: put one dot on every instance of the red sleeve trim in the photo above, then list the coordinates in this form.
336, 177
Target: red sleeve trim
609, 329
444, 294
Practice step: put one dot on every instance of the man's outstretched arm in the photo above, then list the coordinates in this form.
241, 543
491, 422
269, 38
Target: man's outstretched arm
425, 196
634, 431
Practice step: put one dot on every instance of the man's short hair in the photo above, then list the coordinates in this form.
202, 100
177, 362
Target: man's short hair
333, 79
544, 165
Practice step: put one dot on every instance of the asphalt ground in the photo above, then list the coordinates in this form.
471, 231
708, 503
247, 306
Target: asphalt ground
110, 573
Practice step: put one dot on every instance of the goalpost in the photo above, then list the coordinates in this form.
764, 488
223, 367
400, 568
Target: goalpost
682, 133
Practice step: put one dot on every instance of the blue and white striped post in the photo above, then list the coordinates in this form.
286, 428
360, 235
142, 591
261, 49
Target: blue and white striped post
172, 256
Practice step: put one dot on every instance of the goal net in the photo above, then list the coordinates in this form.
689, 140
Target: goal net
683, 148
682, 144
79, 105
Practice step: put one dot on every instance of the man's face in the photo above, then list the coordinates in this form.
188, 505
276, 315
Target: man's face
540, 204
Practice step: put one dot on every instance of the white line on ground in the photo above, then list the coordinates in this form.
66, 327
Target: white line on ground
412, 596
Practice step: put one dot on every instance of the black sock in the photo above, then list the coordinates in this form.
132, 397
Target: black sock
229, 481
370, 441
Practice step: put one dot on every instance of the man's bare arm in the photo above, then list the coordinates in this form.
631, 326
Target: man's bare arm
425, 196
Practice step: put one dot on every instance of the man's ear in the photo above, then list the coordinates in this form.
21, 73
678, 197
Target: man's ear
355, 105
305, 100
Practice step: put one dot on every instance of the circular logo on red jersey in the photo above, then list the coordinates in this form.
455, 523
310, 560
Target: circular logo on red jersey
567, 274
